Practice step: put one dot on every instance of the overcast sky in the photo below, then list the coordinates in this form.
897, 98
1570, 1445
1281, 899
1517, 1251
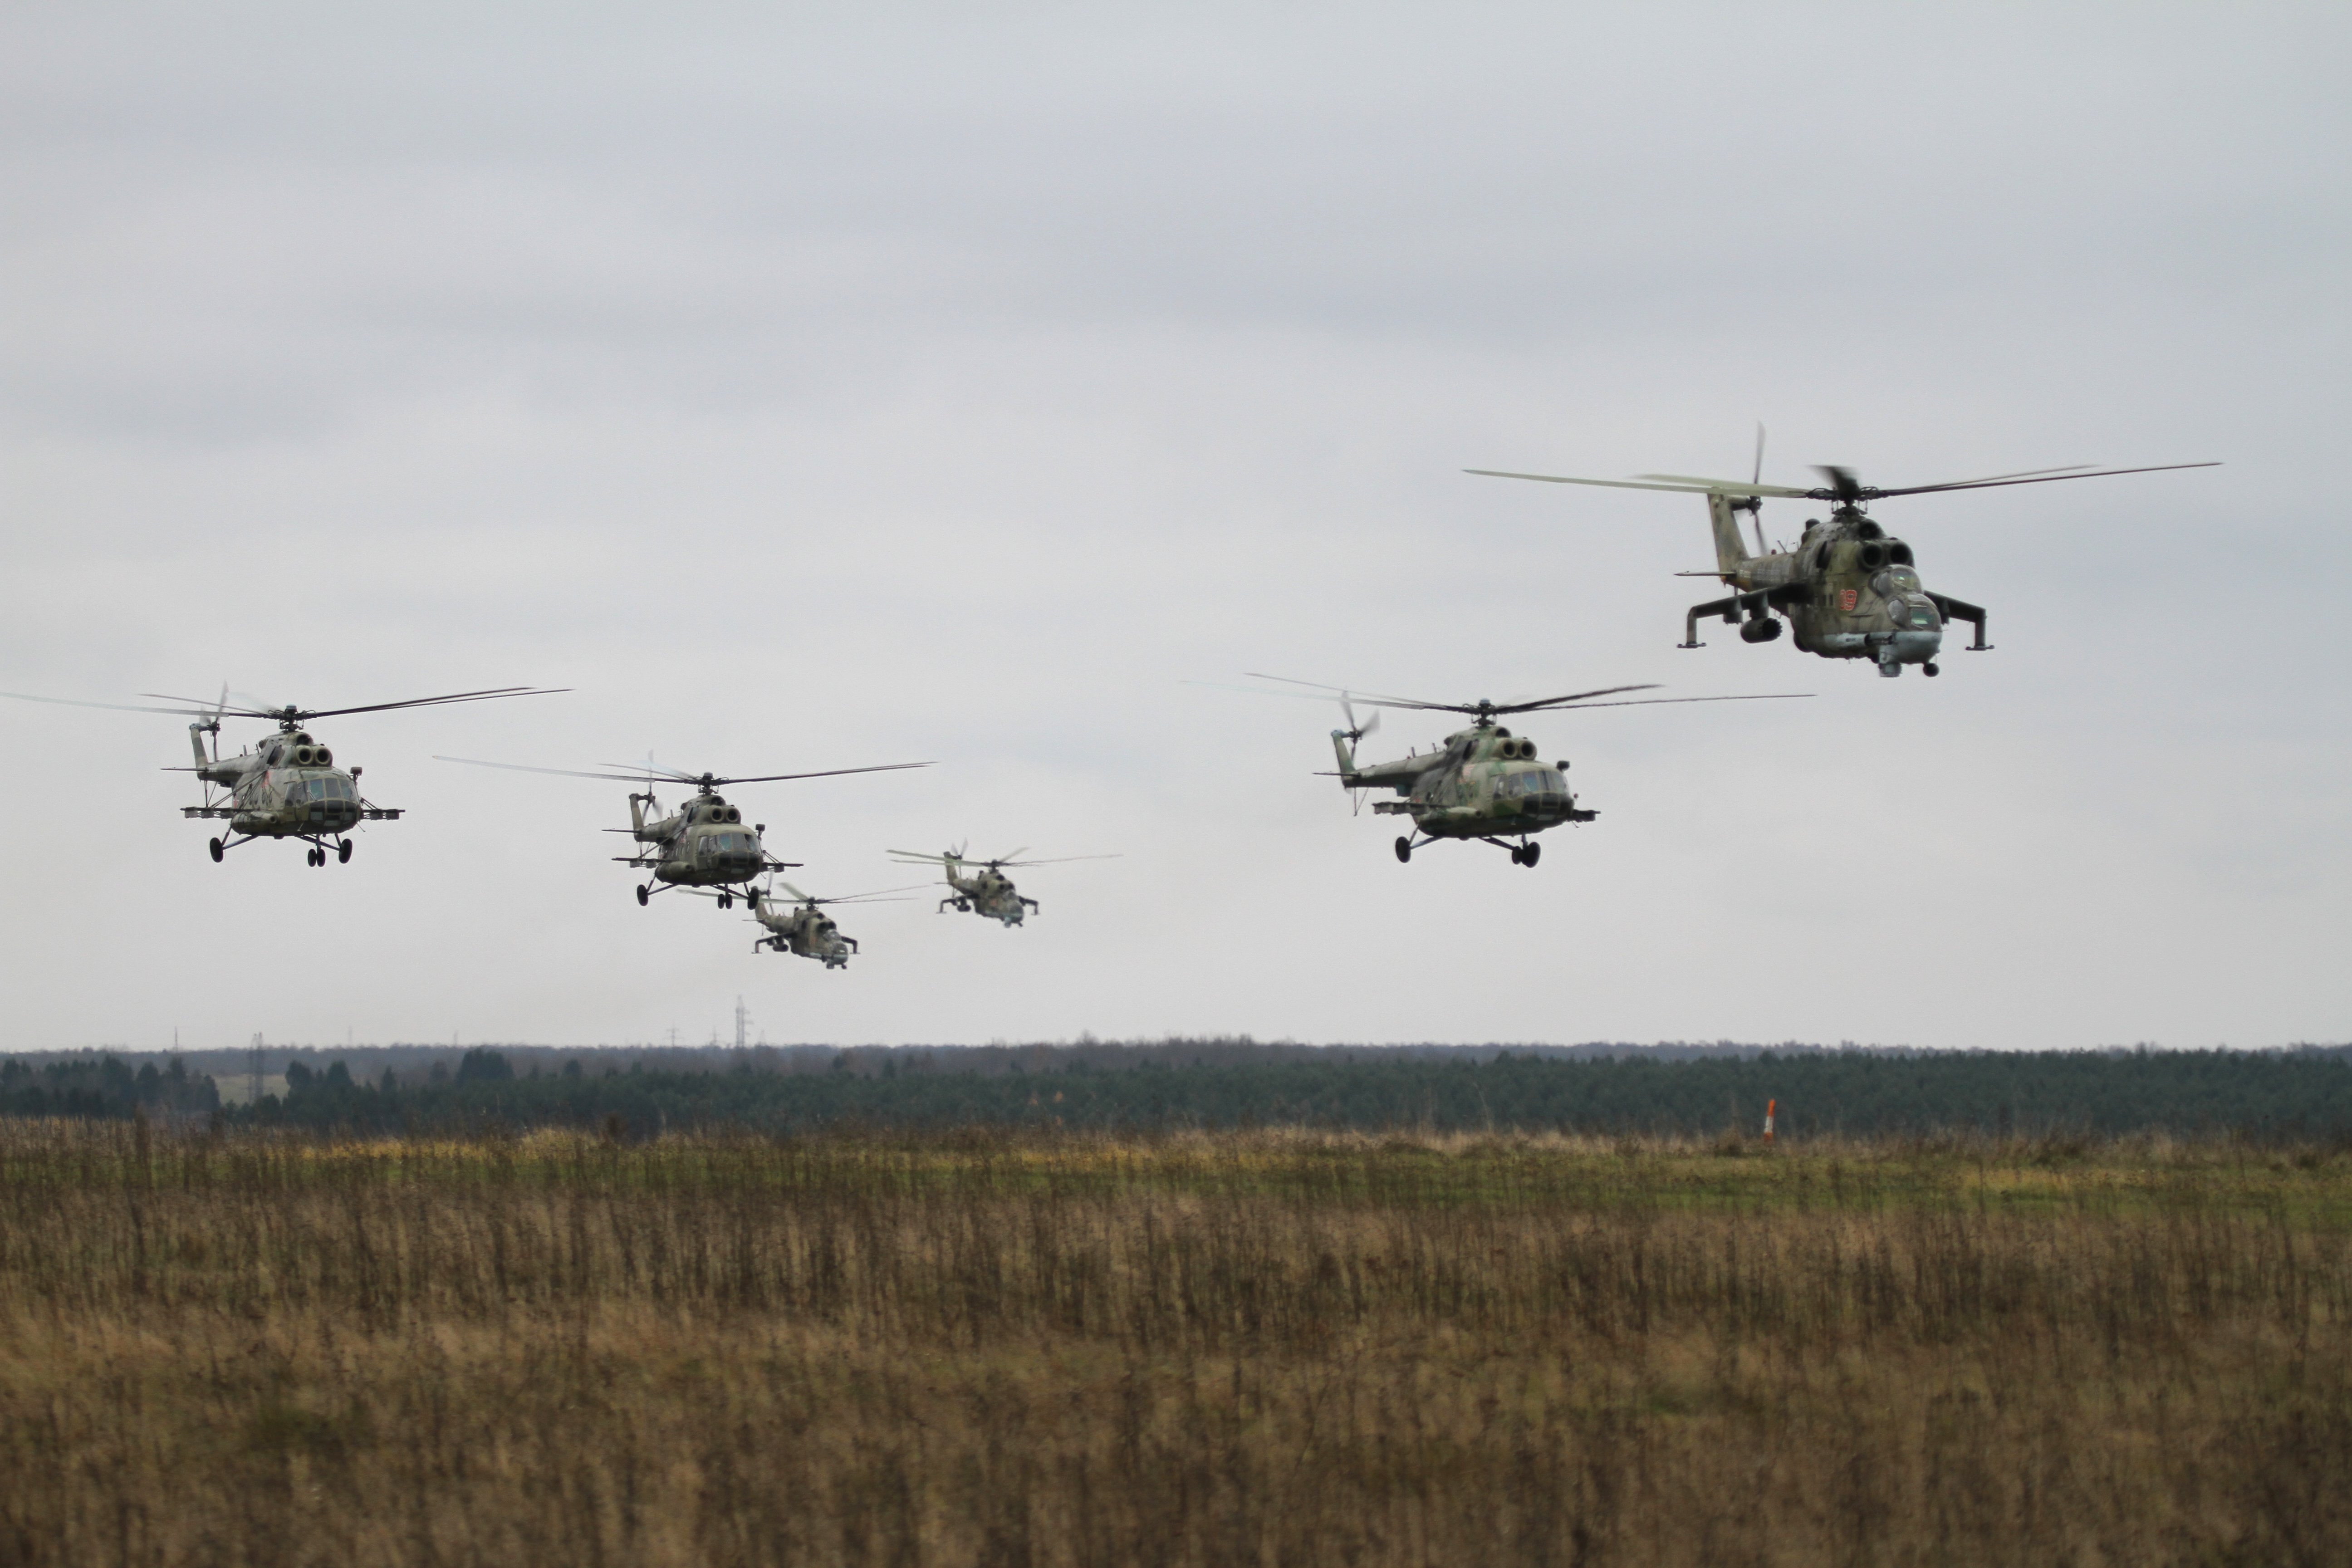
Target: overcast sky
810, 386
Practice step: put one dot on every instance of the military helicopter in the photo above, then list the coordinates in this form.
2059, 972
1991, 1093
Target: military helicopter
1848, 589
989, 893
288, 786
1484, 783
703, 844
798, 928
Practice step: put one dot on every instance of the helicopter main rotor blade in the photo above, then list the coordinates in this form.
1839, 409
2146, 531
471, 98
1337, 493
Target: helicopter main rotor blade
1573, 697
1687, 485
204, 713
2040, 479
821, 774
1057, 860
1653, 701
303, 715
1716, 487
639, 776
432, 701
527, 768
646, 769
880, 895
1342, 692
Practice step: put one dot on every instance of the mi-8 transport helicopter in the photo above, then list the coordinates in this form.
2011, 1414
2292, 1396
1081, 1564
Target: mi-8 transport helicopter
705, 843
801, 930
288, 786
988, 892
1484, 783
1848, 589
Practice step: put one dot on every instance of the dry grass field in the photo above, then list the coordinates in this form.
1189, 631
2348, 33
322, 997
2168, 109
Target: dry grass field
1259, 1348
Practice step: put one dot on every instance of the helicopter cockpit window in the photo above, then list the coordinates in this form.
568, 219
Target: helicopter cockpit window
1923, 617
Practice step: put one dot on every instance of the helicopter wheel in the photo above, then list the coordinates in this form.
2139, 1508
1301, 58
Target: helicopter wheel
343, 852
1404, 849
1929, 669
318, 856
726, 901
1527, 854
642, 895
216, 851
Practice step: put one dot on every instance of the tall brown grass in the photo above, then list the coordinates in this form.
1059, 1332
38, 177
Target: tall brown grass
1262, 1349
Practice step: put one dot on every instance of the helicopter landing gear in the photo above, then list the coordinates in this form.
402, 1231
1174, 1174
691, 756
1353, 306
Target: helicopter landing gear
343, 852
1403, 849
726, 901
317, 857
216, 851
1929, 669
1525, 854
643, 897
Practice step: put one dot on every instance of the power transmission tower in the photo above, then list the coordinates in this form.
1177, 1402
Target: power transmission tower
742, 1020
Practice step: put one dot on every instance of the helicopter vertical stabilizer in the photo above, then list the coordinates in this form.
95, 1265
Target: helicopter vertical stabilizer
1346, 751
1723, 514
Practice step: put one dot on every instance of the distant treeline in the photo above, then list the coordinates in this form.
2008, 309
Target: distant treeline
106, 1086
2306, 1094
2275, 1094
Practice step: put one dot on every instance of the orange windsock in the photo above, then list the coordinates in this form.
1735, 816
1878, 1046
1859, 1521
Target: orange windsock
1770, 1106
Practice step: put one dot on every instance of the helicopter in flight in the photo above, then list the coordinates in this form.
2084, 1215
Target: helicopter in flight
988, 891
287, 786
706, 842
1483, 782
1848, 589
800, 928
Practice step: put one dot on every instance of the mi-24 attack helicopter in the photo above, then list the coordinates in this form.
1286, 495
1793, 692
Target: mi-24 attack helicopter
803, 930
287, 786
1483, 782
988, 891
1849, 588
706, 842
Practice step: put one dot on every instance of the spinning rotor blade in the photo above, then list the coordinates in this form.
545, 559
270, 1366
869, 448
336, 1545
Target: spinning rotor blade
1649, 482
304, 715
1343, 692
1056, 860
714, 783
703, 779
647, 770
879, 896
201, 713
527, 768
1653, 701
2038, 477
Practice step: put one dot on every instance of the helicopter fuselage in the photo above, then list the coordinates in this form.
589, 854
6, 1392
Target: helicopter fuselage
286, 787
988, 892
1484, 783
802, 931
704, 844
1849, 591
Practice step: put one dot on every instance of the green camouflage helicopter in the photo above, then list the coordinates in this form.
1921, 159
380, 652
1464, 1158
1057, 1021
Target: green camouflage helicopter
989, 893
706, 842
799, 928
1848, 589
1484, 783
289, 785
